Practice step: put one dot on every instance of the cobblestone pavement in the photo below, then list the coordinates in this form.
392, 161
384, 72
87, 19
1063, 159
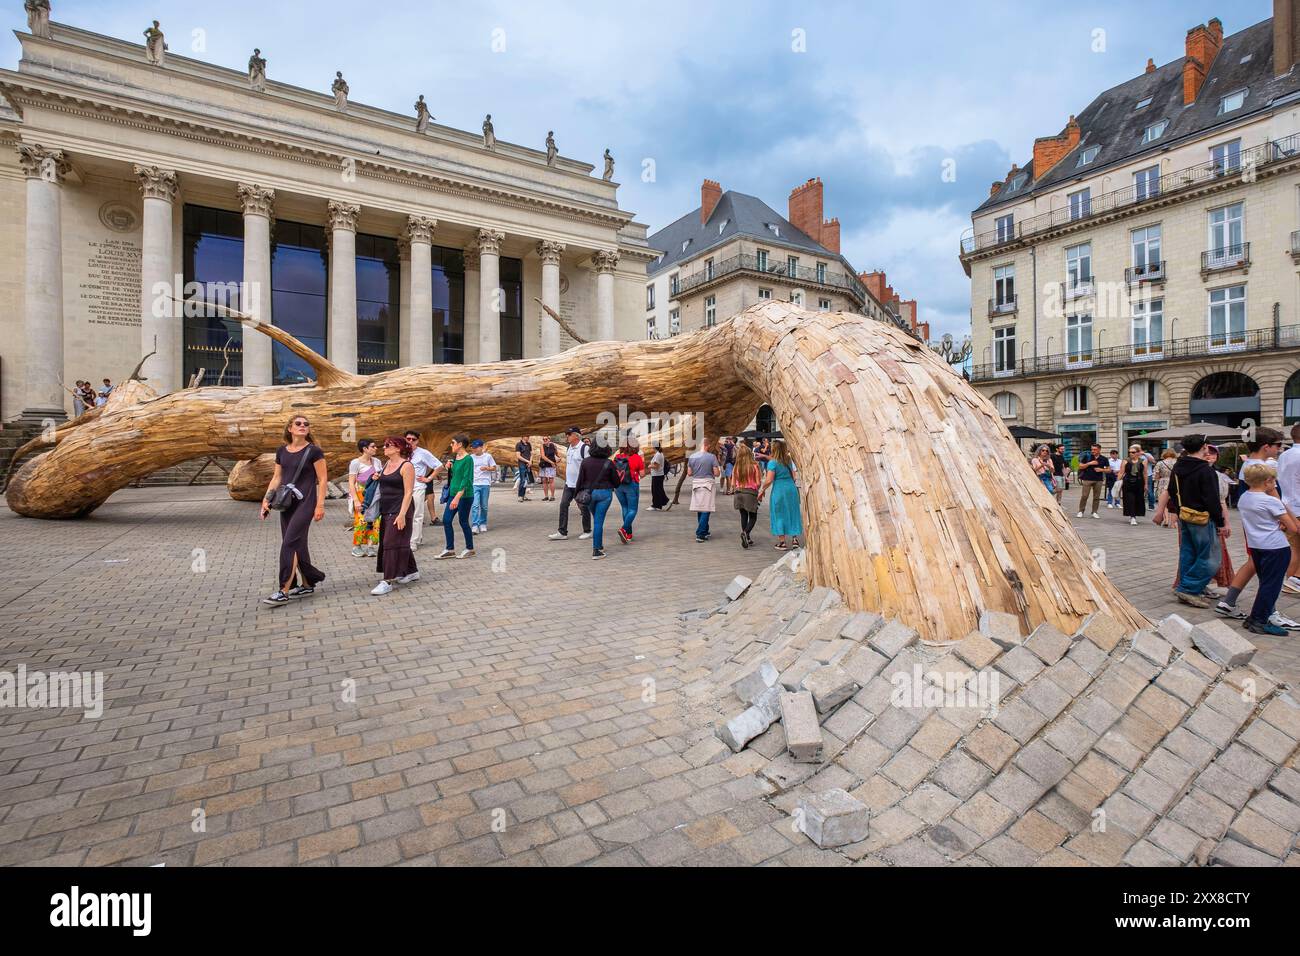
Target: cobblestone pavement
522, 707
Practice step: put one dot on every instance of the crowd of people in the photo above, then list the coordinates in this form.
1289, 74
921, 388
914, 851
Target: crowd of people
1193, 493
85, 395
392, 486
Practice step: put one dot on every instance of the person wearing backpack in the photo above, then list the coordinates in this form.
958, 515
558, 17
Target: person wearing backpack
577, 453
362, 490
629, 466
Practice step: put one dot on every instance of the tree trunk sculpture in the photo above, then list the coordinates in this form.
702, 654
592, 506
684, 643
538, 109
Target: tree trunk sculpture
910, 506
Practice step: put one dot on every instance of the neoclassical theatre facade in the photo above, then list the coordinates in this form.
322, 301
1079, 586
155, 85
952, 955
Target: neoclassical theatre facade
141, 191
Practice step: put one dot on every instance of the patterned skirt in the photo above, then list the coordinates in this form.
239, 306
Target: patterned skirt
364, 534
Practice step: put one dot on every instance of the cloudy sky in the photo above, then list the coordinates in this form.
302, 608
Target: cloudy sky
871, 96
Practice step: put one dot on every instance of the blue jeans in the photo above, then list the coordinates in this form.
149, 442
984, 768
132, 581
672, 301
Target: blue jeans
478, 511
628, 496
462, 514
702, 524
1270, 568
1199, 555
600, 502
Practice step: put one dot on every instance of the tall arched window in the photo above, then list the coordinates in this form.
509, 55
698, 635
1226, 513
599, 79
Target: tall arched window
1291, 400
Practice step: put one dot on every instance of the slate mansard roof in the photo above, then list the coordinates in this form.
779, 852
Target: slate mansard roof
1112, 122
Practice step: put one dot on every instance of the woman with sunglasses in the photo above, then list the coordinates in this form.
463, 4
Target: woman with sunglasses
397, 516
299, 456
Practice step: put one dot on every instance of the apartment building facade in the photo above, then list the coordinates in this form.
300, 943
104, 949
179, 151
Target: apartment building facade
1143, 269
735, 250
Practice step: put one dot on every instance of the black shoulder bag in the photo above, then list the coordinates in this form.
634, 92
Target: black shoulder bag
285, 496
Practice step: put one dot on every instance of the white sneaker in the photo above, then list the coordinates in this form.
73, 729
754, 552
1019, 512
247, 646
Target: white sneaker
383, 587
1110, 505
1133, 521
1079, 515
1095, 515
1291, 585
467, 553
482, 528
1277, 619
584, 536
557, 536
408, 578
447, 553
358, 552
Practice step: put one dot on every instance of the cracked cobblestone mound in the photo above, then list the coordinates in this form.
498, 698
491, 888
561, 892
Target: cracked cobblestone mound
1163, 747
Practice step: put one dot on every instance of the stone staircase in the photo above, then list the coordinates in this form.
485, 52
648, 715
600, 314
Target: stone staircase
13, 435
1166, 747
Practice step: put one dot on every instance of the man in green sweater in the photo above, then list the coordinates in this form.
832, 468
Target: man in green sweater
462, 499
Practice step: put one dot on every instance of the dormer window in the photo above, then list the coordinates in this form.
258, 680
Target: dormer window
1088, 155
1247, 58
722, 225
776, 230
685, 244
1017, 182
1154, 131
1233, 101
1143, 103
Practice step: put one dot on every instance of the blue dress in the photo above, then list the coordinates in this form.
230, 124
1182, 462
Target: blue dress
784, 501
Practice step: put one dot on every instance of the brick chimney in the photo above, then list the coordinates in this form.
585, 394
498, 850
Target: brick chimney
1202, 46
1286, 35
710, 193
1050, 150
1151, 65
830, 237
806, 208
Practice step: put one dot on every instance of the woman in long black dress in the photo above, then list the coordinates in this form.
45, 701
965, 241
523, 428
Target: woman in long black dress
396, 561
295, 560
1133, 486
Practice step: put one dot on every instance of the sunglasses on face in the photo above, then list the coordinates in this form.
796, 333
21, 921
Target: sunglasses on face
301, 425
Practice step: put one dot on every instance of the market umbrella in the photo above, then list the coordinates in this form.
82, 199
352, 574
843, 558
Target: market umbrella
1210, 431
1021, 432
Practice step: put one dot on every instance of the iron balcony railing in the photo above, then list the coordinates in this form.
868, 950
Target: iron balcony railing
1228, 257
1004, 306
1151, 272
1139, 192
746, 262
1255, 340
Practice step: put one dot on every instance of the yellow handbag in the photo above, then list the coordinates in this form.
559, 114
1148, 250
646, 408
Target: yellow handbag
1189, 515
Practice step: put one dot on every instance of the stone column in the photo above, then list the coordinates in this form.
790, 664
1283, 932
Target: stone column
404, 307
343, 285
471, 305
489, 295
550, 253
419, 230
605, 263
255, 296
43, 397
160, 324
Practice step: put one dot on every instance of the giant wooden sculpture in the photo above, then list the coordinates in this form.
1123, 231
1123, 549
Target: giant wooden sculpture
910, 506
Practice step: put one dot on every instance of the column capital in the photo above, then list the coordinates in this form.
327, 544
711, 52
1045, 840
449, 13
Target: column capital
156, 182
605, 260
472, 259
38, 162
420, 228
256, 200
550, 252
343, 215
489, 241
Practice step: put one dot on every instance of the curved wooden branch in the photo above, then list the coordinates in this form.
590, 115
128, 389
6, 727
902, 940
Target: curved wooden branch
573, 333
911, 510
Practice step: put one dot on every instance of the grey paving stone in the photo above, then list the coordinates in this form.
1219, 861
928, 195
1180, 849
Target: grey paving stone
892, 638
1020, 664
1001, 628
1042, 762
1222, 644
960, 775
1015, 789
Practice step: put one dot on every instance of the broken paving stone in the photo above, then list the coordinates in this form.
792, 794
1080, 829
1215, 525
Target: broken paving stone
862, 664
1048, 642
862, 625
757, 682
1153, 647
977, 650
830, 687
752, 721
792, 679
1001, 628
707, 751
833, 818
1177, 631
1222, 644
803, 734
738, 586
892, 638
1102, 629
